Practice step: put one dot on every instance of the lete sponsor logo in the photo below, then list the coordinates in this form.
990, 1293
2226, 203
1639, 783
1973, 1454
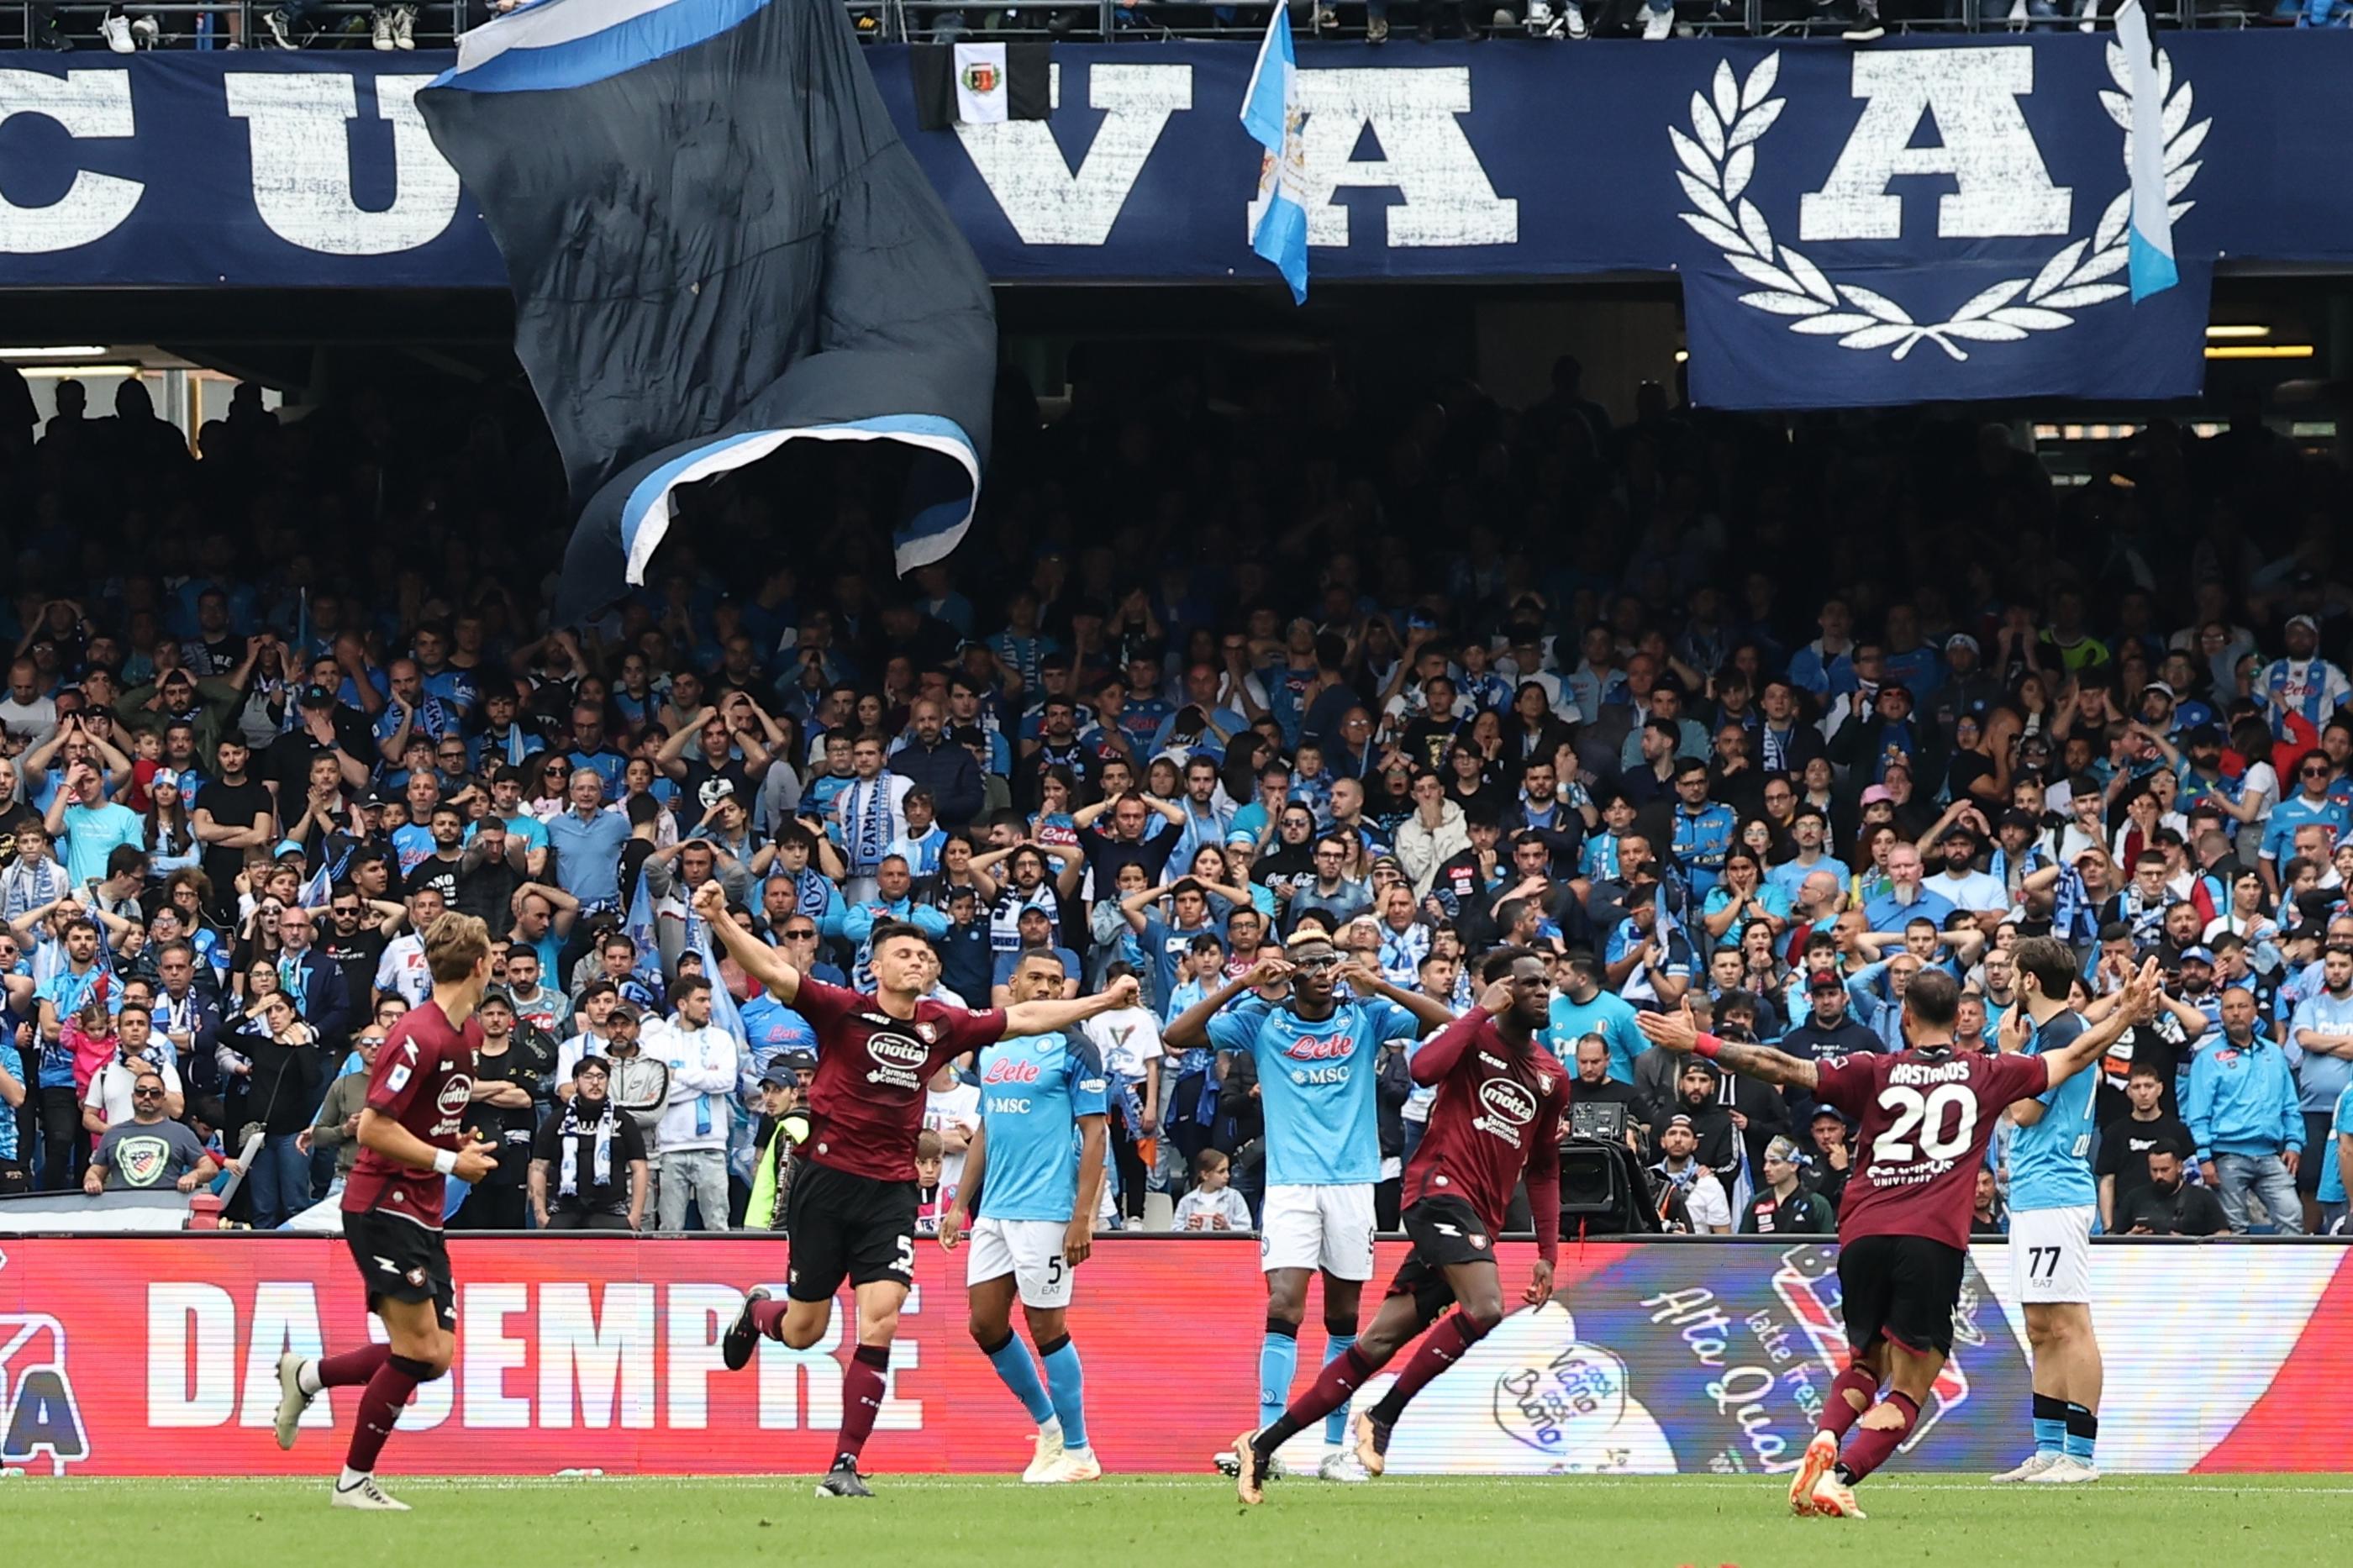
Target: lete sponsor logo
1010, 1069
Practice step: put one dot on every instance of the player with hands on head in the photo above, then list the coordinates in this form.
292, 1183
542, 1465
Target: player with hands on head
852, 1208
1502, 1098
1926, 1114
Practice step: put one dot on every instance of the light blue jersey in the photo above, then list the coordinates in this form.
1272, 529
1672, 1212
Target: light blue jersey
1315, 1082
1033, 1090
2340, 1125
2051, 1162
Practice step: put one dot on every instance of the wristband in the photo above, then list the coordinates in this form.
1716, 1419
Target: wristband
444, 1160
1706, 1046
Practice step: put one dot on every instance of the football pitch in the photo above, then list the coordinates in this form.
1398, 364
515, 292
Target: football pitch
1169, 1522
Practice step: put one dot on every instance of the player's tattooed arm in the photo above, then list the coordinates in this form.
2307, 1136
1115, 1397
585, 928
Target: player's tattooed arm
1679, 1031
1048, 1017
754, 957
2137, 1006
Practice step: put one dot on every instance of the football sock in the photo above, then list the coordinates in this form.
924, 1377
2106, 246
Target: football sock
1838, 1412
388, 1388
863, 1383
344, 1371
1871, 1446
768, 1317
2082, 1434
1067, 1384
1018, 1372
2049, 1424
1278, 1358
1336, 1425
1441, 1348
1341, 1377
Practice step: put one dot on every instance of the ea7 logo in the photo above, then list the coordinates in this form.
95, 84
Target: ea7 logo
43, 1420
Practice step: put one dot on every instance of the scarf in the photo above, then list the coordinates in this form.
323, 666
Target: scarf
811, 892
867, 815
601, 1166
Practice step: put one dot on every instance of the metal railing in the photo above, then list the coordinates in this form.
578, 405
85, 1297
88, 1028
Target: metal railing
341, 24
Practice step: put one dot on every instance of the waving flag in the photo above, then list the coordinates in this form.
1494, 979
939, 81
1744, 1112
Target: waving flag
2149, 239
1271, 113
718, 244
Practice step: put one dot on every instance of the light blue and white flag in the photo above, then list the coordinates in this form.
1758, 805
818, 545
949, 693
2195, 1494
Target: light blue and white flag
2150, 238
1271, 113
320, 890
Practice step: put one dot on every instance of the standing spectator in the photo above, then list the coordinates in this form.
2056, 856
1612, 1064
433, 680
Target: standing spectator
1212, 1204
284, 1068
869, 814
587, 842
503, 1114
1129, 1041
1783, 1207
702, 1059
89, 826
588, 1163
147, 1150
952, 1110
2320, 1050
2242, 1114
336, 1128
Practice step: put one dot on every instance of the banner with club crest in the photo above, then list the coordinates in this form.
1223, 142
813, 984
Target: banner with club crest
1917, 218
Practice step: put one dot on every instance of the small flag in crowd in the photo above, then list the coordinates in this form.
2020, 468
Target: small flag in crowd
1271, 113
978, 84
2149, 243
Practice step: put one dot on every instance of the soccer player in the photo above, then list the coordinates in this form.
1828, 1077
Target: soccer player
411, 1137
1038, 1164
851, 1210
1926, 1113
1316, 1055
2052, 1201
1502, 1097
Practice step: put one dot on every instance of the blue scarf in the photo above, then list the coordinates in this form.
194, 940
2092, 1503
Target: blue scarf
869, 822
812, 893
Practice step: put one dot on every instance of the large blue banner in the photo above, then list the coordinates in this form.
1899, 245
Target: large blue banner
1834, 210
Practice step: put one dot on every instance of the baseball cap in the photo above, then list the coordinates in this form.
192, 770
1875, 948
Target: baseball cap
2306, 622
1876, 793
1824, 980
1961, 831
1821, 1112
2014, 817
1680, 1119
2200, 954
1962, 639
288, 847
801, 1062
1242, 837
315, 697
496, 996
2159, 686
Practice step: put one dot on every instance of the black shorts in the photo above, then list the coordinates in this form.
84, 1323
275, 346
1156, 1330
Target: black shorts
842, 1225
2319, 1144
400, 1261
1906, 1288
1445, 1231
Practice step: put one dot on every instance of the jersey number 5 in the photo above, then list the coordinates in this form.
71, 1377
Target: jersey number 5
1926, 1116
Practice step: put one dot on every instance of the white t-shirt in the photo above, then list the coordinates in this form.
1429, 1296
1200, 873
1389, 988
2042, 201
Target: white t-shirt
401, 971
1973, 891
1703, 1200
109, 1087
1128, 1037
958, 1105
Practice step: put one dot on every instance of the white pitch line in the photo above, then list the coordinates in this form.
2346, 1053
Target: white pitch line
2138, 1485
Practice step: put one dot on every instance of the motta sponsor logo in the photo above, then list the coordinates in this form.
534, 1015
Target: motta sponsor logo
454, 1096
896, 1050
1508, 1100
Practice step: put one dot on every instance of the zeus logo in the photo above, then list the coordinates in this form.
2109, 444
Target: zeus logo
42, 1419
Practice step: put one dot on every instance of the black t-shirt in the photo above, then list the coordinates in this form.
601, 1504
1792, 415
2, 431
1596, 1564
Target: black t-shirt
231, 806
358, 954
2186, 1210
1105, 855
486, 892
588, 1196
509, 1127
287, 763
2158, 1044
700, 774
2126, 1146
437, 874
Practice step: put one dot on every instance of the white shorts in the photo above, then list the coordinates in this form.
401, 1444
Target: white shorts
2051, 1254
1330, 1228
1028, 1249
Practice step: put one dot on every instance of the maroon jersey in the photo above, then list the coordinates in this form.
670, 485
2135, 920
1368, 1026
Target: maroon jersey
1498, 1111
866, 1102
1926, 1117
424, 1080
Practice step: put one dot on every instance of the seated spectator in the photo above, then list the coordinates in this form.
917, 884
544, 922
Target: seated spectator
148, 1151
1212, 1203
2168, 1205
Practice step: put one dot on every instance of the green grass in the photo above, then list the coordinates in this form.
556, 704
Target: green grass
1188, 1522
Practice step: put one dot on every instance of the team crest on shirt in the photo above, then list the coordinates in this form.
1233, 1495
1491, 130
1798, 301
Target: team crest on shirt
416, 1278
1543, 1084
927, 1033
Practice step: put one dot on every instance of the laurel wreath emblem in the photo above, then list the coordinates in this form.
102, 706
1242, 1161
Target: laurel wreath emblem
1719, 159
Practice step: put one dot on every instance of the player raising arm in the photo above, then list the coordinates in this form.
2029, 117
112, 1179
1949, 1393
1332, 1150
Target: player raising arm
1927, 1114
851, 1210
1501, 1095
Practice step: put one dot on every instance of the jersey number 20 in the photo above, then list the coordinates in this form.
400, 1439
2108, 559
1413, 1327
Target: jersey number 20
1927, 1114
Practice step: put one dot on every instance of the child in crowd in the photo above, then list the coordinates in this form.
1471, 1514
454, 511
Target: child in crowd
1212, 1204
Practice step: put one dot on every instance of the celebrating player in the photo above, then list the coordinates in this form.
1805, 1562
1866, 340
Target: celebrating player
1038, 1164
1315, 1054
1927, 1114
851, 1210
1502, 1097
2052, 1198
410, 1138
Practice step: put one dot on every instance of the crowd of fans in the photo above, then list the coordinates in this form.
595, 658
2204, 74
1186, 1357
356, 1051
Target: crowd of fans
1758, 716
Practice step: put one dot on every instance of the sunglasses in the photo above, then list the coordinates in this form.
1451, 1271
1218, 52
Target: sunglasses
2316, 773
146, 1094
800, 936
